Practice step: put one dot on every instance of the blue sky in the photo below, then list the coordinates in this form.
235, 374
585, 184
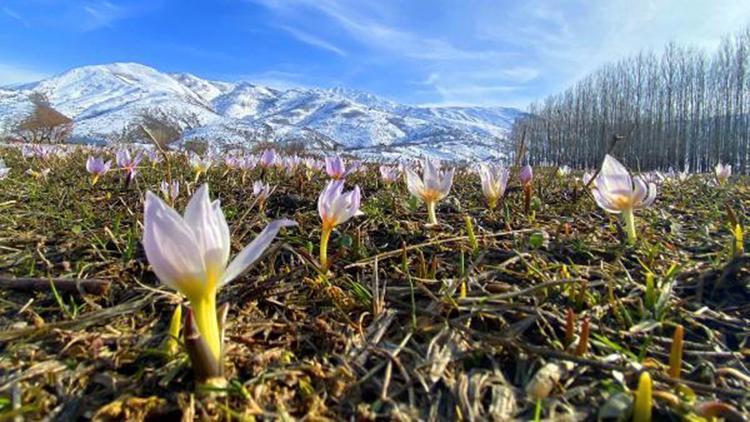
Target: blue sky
457, 52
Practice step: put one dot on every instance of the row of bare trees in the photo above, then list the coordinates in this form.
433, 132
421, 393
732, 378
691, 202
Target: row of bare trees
682, 108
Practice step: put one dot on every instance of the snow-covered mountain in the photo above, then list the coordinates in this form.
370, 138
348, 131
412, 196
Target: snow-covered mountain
108, 101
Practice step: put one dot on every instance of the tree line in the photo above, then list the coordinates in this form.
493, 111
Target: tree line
682, 108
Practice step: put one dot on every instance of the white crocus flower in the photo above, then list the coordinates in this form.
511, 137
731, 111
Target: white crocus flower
190, 254
723, 171
432, 187
615, 191
494, 181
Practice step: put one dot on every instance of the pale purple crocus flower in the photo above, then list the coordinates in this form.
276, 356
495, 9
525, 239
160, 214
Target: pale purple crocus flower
190, 253
494, 180
335, 207
432, 187
154, 157
723, 171
526, 175
617, 192
389, 174
170, 191
268, 158
97, 167
128, 163
336, 168
232, 161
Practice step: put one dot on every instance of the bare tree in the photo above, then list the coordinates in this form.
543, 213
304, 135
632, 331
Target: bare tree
44, 124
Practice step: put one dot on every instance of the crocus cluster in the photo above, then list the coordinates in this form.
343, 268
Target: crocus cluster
335, 207
617, 192
432, 187
190, 253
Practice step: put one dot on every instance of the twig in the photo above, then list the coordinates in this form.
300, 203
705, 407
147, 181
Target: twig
68, 285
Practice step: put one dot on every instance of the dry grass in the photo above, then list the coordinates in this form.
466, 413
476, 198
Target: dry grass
389, 333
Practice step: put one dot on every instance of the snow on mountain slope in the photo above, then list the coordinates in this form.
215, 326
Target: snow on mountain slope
14, 106
208, 90
105, 101
245, 100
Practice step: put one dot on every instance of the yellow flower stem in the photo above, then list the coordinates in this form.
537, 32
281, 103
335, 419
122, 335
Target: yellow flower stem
492, 203
629, 219
204, 310
431, 212
324, 235
643, 399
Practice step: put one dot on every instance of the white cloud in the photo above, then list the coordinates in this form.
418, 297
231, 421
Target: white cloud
312, 40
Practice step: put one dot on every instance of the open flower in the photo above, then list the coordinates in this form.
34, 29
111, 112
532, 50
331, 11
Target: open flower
335, 207
200, 164
494, 181
190, 254
618, 193
723, 171
432, 187
563, 171
97, 167
389, 174
336, 168
128, 163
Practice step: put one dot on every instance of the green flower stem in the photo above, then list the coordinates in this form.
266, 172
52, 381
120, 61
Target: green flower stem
629, 219
431, 213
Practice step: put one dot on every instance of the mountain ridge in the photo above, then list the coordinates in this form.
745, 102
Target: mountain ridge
106, 101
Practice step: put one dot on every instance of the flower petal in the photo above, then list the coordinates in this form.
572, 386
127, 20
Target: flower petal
209, 230
171, 247
414, 183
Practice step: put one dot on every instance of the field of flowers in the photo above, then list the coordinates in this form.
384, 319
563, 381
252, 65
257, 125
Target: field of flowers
143, 284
